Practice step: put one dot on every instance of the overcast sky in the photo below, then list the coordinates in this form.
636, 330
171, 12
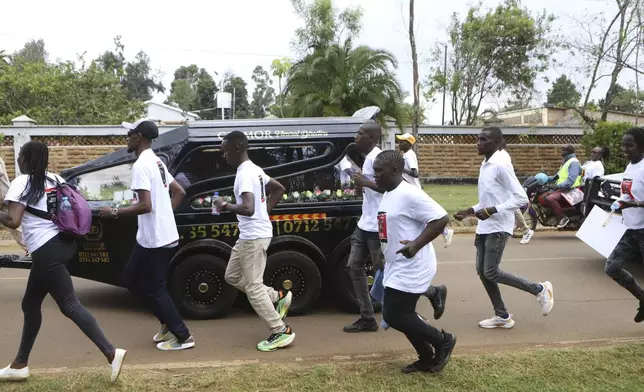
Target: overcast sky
238, 35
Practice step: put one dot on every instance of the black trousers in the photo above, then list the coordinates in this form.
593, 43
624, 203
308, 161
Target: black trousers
399, 312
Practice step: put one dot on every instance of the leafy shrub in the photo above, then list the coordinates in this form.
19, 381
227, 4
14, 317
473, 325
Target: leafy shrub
608, 134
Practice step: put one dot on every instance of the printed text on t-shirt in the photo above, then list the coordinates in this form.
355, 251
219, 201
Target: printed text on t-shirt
382, 226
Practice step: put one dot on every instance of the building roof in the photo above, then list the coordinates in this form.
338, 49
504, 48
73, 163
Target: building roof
170, 107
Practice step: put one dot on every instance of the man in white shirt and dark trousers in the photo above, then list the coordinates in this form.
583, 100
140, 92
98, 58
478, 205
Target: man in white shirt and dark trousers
256, 194
408, 221
157, 237
500, 194
519, 220
364, 240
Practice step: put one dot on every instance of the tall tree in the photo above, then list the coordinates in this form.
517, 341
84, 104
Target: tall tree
415, 120
139, 81
33, 51
492, 53
63, 94
264, 94
237, 86
323, 25
280, 68
563, 93
194, 89
610, 46
136, 76
339, 80
624, 100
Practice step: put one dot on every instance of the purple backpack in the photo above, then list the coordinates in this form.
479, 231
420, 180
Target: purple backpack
76, 220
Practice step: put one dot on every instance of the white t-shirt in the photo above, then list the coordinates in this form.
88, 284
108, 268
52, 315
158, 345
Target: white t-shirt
411, 162
403, 215
370, 198
157, 229
633, 189
592, 169
252, 179
35, 231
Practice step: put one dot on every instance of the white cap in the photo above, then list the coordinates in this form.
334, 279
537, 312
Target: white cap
131, 126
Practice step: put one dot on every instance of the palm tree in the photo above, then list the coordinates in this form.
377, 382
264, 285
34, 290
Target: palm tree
339, 79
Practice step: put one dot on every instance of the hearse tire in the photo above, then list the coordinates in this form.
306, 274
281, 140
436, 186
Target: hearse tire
199, 289
344, 292
302, 274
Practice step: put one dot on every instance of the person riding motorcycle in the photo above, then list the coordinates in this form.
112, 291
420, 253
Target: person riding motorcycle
567, 179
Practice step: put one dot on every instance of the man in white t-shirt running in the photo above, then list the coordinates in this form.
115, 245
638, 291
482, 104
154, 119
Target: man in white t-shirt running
408, 221
157, 237
500, 194
519, 220
256, 194
411, 172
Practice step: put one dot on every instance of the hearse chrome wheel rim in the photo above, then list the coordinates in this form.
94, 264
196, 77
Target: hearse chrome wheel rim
203, 287
289, 278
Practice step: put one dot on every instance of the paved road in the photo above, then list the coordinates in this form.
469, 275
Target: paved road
588, 306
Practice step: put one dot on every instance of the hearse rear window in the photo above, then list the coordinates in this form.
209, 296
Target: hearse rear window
209, 162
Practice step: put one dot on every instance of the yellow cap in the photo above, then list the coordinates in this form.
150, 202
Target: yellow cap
407, 137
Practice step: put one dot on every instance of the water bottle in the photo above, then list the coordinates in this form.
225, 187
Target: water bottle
215, 209
65, 205
615, 206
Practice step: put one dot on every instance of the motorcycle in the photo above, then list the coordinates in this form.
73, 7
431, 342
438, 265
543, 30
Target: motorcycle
534, 212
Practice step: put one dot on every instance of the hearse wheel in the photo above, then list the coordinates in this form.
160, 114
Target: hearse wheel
344, 291
293, 271
198, 287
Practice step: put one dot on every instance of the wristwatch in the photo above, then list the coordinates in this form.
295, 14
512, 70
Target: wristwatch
114, 212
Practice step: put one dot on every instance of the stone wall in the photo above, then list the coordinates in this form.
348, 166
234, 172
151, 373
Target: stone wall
463, 160
440, 155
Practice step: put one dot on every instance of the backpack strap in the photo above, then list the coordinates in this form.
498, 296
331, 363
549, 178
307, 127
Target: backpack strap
39, 213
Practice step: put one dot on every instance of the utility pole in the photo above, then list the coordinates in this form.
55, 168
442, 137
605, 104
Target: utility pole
445, 85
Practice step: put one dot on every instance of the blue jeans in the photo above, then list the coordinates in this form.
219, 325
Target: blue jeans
145, 276
378, 293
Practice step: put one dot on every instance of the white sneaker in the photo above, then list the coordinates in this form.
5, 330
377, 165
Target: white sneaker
527, 237
9, 374
163, 335
546, 298
117, 364
174, 345
497, 322
449, 233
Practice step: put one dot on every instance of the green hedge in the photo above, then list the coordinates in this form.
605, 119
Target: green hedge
608, 134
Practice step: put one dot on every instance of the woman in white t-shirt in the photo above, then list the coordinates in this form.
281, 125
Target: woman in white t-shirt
595, 167
50, 252
631, 205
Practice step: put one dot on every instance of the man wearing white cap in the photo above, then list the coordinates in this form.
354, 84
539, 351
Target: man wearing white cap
410, 173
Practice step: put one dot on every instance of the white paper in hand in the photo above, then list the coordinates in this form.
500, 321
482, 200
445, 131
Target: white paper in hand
602, 231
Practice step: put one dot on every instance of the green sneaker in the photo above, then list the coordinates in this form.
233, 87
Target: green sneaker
284, 303
277, 340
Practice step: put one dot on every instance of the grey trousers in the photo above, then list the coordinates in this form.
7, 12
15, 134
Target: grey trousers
364, 243
489, 251
629, 248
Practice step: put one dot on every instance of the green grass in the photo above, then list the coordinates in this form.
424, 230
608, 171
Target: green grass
585, 369
453, 197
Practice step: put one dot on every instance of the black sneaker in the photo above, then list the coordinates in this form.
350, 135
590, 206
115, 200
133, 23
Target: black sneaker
444, 351
438, 301
362, 325
420, 366
639, 317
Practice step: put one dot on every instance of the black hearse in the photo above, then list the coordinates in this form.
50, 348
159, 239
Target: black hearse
312, 224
